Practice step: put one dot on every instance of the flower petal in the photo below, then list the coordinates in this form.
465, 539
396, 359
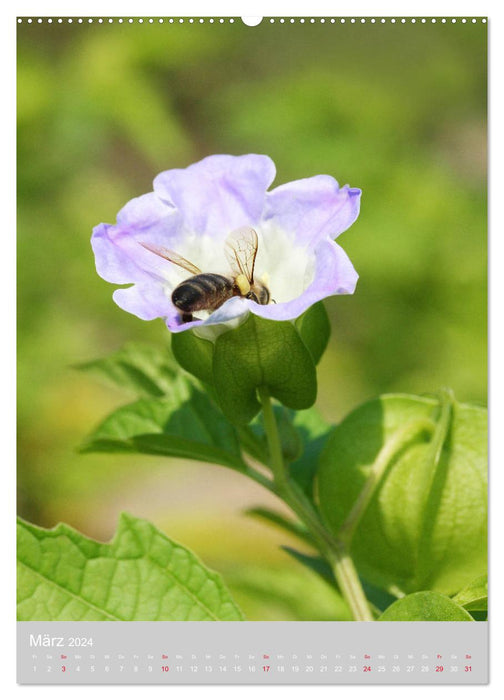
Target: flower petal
334, 274
144, 211
147, 301
234, 309
111, 263
219, 193
313, 207
118, 255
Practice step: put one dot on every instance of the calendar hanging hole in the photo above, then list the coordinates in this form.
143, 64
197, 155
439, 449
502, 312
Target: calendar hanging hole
251, 21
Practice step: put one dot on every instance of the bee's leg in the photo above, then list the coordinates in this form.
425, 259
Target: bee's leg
186, 318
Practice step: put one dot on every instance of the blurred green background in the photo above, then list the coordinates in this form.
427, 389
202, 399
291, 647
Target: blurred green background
398, 110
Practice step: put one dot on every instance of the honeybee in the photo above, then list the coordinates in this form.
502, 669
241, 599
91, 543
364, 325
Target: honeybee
207, 291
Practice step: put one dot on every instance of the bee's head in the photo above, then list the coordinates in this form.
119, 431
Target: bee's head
259, 293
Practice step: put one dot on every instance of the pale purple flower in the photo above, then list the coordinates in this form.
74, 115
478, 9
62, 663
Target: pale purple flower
193, 210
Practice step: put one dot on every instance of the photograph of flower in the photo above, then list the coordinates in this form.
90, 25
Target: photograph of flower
260, 393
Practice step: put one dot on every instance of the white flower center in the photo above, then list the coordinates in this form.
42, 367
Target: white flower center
289, 267
286, 267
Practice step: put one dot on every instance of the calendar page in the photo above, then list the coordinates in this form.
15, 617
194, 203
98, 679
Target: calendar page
252, 376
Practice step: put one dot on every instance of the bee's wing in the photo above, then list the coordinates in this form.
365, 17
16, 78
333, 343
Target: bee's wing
241, 251
173, 257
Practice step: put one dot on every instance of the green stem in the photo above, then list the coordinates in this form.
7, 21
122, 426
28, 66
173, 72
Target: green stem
274, 445
334, 551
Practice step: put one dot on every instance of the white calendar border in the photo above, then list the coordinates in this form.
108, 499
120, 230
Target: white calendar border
227, 8
257, 8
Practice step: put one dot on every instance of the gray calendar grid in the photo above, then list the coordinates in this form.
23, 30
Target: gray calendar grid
252, 652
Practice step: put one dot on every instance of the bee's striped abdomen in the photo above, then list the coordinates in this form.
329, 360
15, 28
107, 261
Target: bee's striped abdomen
206, 292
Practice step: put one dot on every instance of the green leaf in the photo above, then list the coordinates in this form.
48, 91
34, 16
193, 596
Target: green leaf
142, 369
403, 480
379, 599
303, 435
316, 564
314, 431
185, 423
140, 575
479, 615
291, 526
253, 443
194, 354
289, 437
262, 353
314, 328
475, 595
425, 606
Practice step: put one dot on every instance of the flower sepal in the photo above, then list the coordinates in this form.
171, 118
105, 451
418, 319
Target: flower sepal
194, 354
262, 353
259, 353
315, 328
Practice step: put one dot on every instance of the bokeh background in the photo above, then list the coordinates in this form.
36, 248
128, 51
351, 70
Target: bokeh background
398, 110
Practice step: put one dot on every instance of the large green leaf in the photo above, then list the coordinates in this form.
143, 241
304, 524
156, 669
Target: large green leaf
425, 606
142, 369
422, 524
262, 353
140, 575
184, 423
